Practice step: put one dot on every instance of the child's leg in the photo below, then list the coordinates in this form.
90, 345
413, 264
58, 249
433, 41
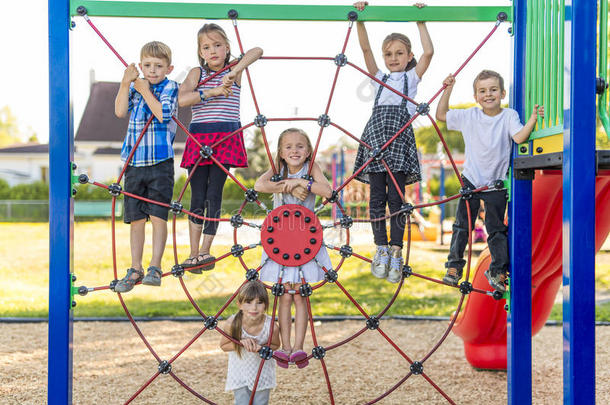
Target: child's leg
301, 316
285, 319
377, 202
136, 240
159, 239
213, 202
199, 185
459, 237
242, 396
495, 209
397, 223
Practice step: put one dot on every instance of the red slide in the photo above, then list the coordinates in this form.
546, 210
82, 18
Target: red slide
482, 323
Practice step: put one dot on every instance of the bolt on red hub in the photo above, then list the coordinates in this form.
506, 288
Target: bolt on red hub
291, 235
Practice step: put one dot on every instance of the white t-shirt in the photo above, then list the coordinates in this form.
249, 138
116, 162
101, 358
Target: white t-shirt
397, 82
488, 142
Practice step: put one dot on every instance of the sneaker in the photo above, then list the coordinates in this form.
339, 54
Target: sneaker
452, 276
395, 272
153, 276
126, 283
379, 265
498, 281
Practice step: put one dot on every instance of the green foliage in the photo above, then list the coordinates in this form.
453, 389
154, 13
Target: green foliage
33, 191
5, 190
428, 140
452, 185
9, 130
602, 141
258, 161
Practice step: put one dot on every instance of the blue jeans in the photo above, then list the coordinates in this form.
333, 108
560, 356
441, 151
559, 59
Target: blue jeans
242, 396
497, 240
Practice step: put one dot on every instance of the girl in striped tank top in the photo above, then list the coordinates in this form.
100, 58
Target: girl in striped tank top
215, 110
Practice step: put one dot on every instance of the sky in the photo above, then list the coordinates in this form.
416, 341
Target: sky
282, 88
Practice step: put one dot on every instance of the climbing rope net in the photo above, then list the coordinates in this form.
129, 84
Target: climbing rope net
304, 225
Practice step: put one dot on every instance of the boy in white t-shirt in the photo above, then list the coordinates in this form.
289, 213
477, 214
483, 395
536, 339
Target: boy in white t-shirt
488, 134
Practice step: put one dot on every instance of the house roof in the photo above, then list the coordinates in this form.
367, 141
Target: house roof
99, 124
26, 148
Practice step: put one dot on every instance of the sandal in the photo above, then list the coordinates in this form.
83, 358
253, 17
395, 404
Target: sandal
153, 276
126, 283
205, 262
281, 358
299, 358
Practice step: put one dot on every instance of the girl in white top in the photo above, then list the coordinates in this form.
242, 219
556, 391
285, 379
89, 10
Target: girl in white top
391, 113
293, 154
250, 326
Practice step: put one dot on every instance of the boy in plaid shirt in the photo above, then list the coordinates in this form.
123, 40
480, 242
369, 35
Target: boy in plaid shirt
150, 171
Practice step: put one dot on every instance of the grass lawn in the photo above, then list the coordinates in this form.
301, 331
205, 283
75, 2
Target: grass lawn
24, 275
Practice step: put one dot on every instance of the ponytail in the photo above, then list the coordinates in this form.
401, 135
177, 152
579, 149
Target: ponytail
236, 331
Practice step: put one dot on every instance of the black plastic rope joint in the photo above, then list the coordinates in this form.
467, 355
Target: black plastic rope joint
278, 289
499, 184
375, 154
251, 195
175, 207
502, 16
497, 295
276, 177
237, 250
83, 179
318, 352
323, 120
341, 60
423, 108
237, 221
260, 120
372, 323
210, 322
417, 368
164, 367
346, 221
113, 284
465, 287
333, 197
466, 193
251, 275
114, 189
331, 276
265, 352
81, 10
232, 14
407, 208
177, 270
346, 251
600, 85
305, 290
206, 151
407, 271
307, 177
82, 290
352, 16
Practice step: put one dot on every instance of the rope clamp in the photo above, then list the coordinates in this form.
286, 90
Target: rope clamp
251, 275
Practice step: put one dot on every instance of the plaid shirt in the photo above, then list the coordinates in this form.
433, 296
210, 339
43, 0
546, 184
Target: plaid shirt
156, 145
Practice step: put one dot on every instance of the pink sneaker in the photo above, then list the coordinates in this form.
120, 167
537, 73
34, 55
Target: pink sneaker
281, 358
299, 358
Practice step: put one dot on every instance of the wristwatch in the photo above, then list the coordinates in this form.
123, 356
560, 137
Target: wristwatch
201, 95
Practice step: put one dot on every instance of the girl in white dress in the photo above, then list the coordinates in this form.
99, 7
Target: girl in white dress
250, 326
293, 155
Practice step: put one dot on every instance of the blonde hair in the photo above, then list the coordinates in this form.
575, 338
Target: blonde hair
402, 38
488, 74
281, 163
156, 49
250, 291
207, 29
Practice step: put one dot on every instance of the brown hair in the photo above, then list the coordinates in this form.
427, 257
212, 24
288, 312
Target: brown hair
395, 36
281, 163
156, 49
207, 29
250, 291
488, 74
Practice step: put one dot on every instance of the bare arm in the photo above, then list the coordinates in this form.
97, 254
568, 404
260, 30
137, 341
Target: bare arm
189, 95
249, 58
226, 345
443, 102
143, 87
363, 39
426, 43
121, 102
527, 129
265, 185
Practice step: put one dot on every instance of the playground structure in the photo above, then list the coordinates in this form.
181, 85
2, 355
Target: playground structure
578, 307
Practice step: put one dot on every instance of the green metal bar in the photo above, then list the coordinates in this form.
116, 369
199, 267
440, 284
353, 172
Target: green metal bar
602, 104
560, 60
548, 131
548, 63
539, 55
529, 67
287, 12
552, 111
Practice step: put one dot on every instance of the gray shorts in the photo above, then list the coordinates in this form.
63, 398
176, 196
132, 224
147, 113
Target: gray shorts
153, 182
242, 396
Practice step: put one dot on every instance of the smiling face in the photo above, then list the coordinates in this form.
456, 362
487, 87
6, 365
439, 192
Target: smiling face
213, 48
396, 56
294, 150
489, 94
252, 310
155, 69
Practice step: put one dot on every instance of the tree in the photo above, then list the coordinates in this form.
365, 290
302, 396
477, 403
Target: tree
9, 131
258, 161
427, 138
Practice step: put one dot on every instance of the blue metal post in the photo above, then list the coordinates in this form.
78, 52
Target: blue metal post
579, 204
60, 207
519, 332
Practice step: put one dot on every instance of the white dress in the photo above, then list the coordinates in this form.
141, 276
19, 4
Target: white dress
311, 270
241, 371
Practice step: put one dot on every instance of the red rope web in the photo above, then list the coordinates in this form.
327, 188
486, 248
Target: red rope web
372, 322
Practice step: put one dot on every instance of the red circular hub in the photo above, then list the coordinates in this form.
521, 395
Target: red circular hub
291, 235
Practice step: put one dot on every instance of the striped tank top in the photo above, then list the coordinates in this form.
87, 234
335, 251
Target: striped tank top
219, 108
